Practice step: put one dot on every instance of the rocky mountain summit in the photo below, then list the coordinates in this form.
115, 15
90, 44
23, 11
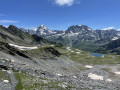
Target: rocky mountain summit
78, 29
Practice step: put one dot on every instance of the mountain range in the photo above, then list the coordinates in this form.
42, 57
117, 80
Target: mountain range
77, 36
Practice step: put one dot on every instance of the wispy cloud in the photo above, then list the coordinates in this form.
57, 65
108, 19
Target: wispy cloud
8, 21
64, 2
2, 14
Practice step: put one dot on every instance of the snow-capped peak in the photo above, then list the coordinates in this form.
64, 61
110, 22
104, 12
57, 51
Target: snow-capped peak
44, 27
41, 27
35, 29
43, 30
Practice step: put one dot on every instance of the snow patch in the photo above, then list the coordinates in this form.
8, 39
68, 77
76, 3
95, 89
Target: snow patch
23, 47
118, 73
72, 34
52, 45
95, 77
62, 85
89, 29
10, 72
74, 77
68, 48
78, 52
109, 80
13, 61
5, 81
59, 74
88, 66
4, 70
115, 38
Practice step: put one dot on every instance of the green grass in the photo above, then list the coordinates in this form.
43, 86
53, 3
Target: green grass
107, 59
4, 76
19, 84
106, 69
86, 46
28, 82
83, 57
86, 58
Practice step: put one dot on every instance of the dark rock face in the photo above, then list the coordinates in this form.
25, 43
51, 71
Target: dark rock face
112, 47
5, 37
5, 67
37, 38
14, 30
10, 50
53, 51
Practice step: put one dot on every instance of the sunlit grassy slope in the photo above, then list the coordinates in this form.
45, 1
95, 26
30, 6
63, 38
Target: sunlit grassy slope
86, 58
28, 82
76, 55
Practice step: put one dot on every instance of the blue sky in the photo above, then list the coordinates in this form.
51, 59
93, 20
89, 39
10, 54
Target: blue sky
60, 14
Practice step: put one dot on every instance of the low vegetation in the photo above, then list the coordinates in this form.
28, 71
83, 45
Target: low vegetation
85, 57
28, 82
4, 76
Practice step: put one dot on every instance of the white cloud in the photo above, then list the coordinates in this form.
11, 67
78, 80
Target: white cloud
118, 30
64, 2
8, 21
109, 28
